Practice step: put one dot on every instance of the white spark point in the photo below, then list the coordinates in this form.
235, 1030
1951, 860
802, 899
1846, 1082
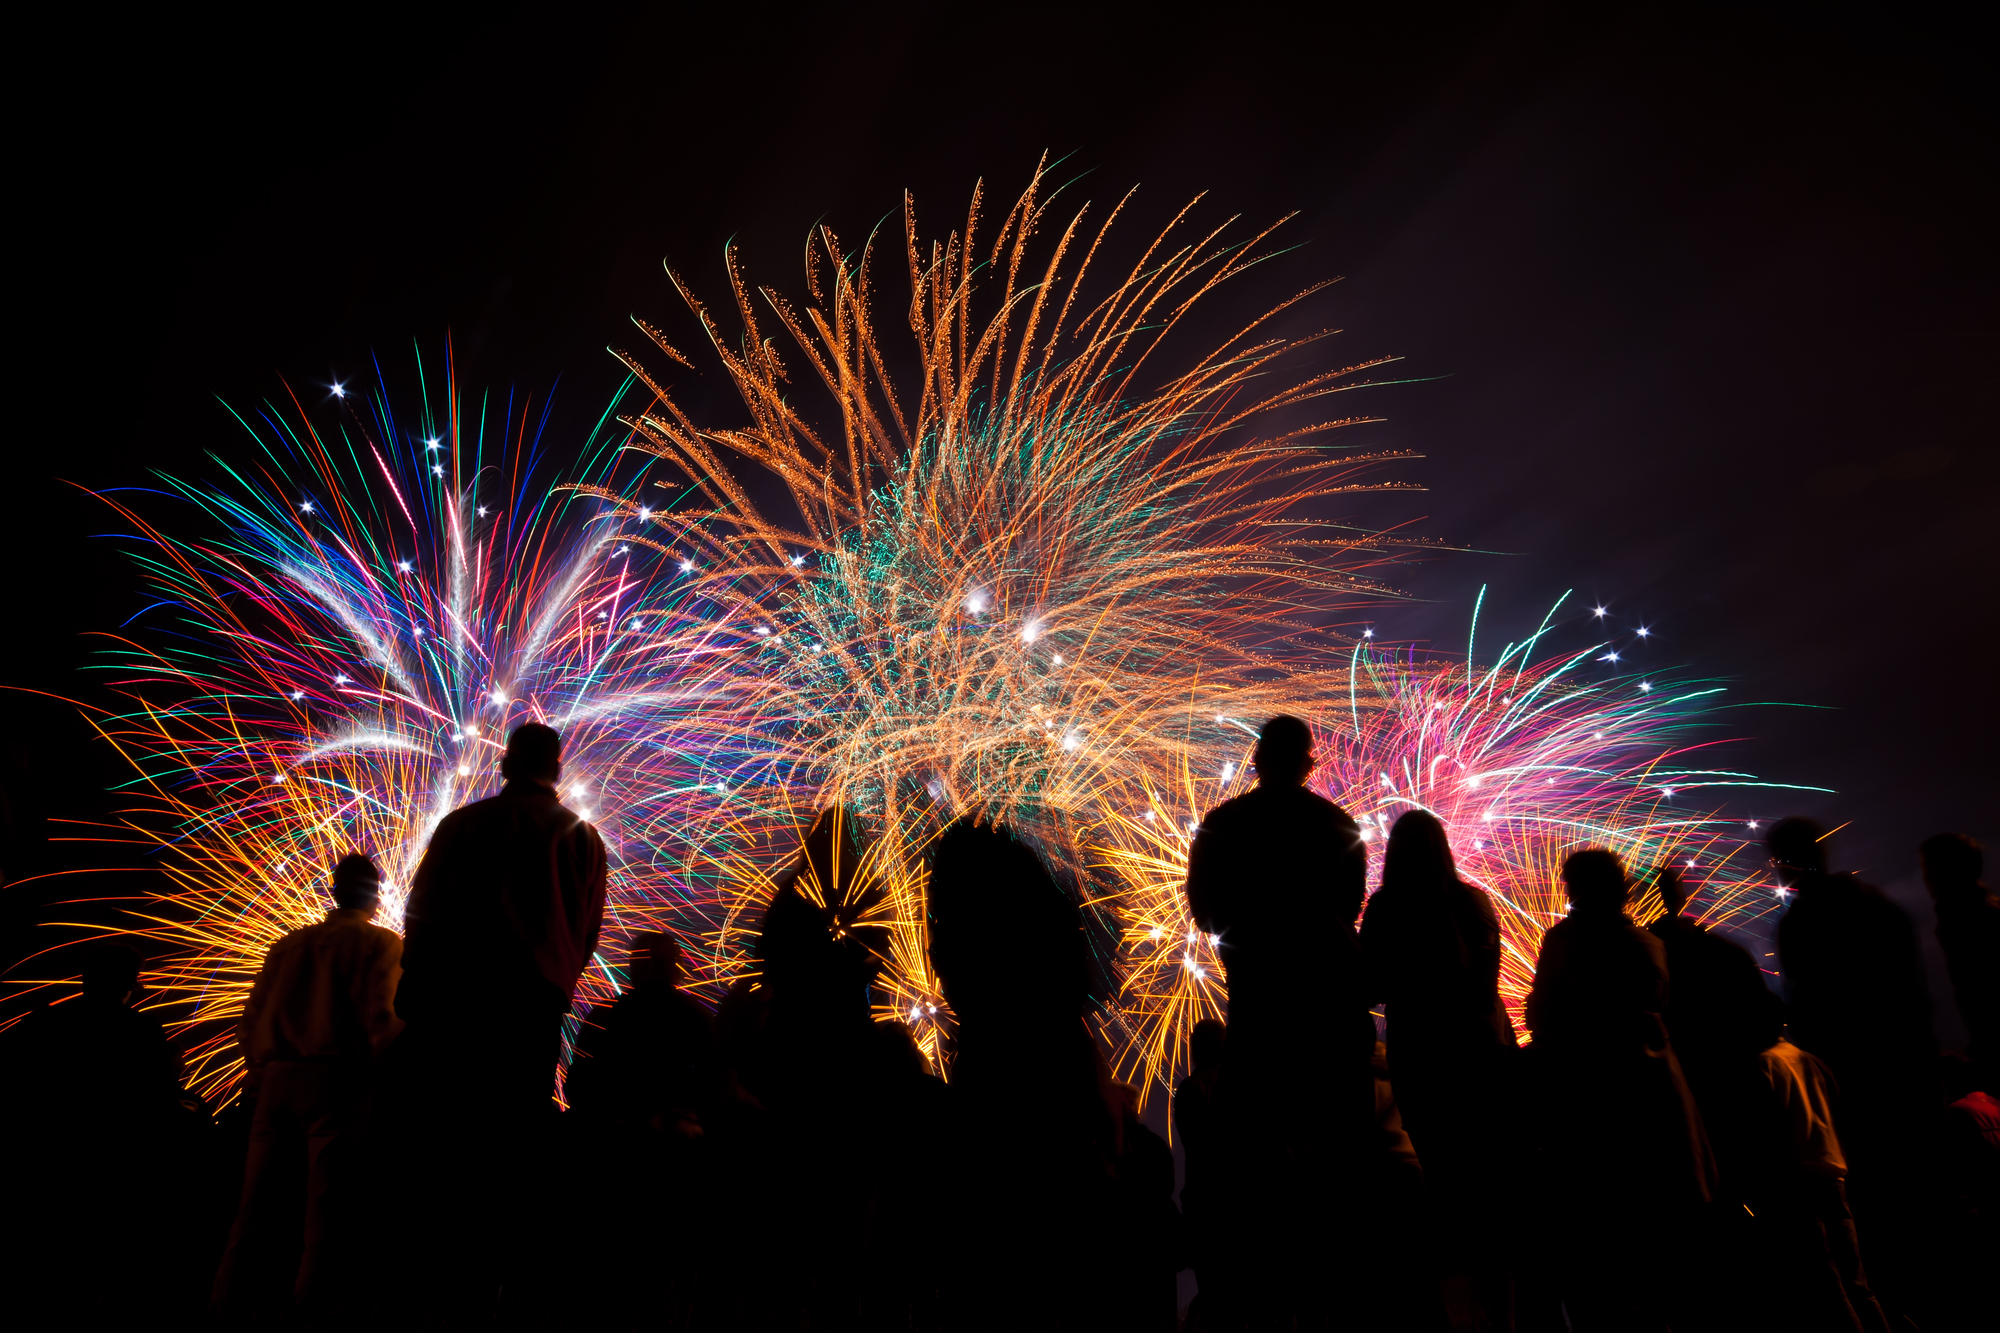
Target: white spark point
1367, 835
1368, 634
763, 629
1597, 735
1645, 687
975, 604
603, 615
1228, 772
1473, 782
583, 813
1666, 791
471, 730
403, 565
1220, 718
300, 694
420, 631
499, 696
916, 1012
1753, 823
1478, 846
1149, 816
340, 391
798, 560
430, 443
437, 469
1154, 933
1071, 741
1487, 817
277, 779
465, 770
1027, 634
687, 566
722, 789
1645, 633
340, 680
1609, 657
482, 511
306, 508
1193, 826
645, 514
1599, 613
1057, 659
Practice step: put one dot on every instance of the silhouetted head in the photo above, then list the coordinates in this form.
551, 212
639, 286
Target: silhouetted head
1419, 856
356, 883
1798, 846
1006, 941
534, 754
1673, 893
820, 935
1205, 1043
110, 972
1284, 753
1953, 864
1595, 879
654, 960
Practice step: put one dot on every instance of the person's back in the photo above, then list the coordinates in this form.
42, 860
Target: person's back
1853, 980
1711, 980
648, 1059
319, 1014
1039, 1122
1430, 944
1278, 875
1628, 1159
1968, 931
502, 918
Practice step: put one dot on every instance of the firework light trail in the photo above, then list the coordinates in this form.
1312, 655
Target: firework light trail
1030, 584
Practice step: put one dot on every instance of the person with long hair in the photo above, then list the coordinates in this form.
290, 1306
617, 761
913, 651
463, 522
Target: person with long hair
1430, 946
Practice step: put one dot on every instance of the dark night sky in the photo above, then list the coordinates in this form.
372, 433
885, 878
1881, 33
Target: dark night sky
1705, 299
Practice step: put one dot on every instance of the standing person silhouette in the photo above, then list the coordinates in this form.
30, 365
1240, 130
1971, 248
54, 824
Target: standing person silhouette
1431, 945
502, 918
1855, 997
1968, 930
1277, 876
1630, 1165
322, 1009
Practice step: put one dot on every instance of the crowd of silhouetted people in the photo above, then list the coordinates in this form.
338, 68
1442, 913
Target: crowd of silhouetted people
1366, 1144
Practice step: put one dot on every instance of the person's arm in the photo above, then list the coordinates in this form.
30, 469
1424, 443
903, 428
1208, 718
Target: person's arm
375, 992
1204, 872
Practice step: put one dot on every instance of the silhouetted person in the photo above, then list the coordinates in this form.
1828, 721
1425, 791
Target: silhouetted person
643, 1087
502, 918
1629, 1164
648, 1059
1856, 998
1195, 1123
1431, 945
1791, 1173
1711, 982
321, 1010
1037, 1119
1278, 875
805, 1048
1968, 930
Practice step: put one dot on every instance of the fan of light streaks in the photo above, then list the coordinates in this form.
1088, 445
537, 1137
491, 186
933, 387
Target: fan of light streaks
1524, 761
1006, 564
341, 668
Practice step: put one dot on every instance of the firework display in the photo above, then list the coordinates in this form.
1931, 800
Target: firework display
1039, 564
1524, 760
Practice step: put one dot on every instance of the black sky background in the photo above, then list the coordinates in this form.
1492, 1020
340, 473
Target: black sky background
1702, 299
